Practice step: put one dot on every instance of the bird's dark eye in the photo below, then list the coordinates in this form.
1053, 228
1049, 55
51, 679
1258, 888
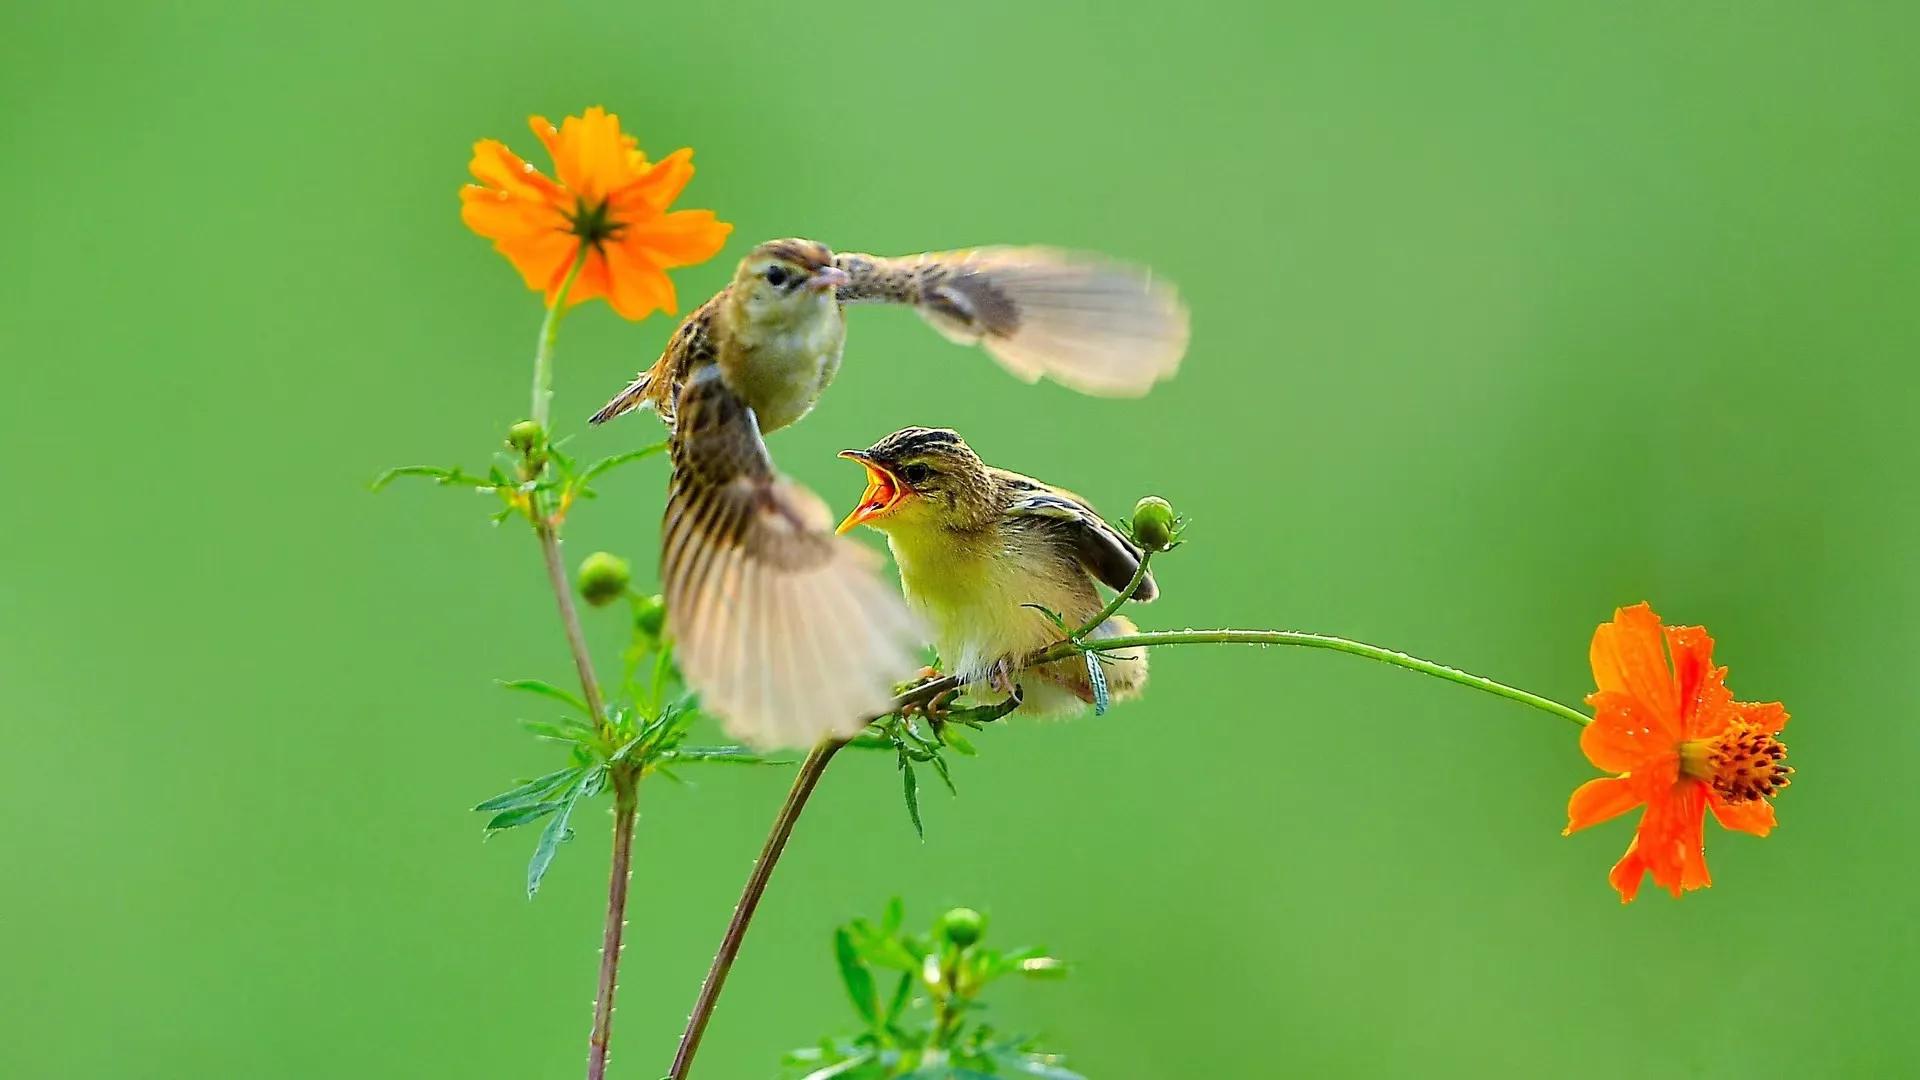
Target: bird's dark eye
915, 473
777, 275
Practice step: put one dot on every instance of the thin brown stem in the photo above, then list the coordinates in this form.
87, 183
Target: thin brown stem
570, 619
625, 779
624, 801
923, 692
625, 784
803, 785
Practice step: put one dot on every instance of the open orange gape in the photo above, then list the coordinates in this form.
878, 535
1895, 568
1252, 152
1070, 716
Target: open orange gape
884, 491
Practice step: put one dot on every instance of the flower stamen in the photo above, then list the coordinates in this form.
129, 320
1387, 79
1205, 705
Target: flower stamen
1742, 763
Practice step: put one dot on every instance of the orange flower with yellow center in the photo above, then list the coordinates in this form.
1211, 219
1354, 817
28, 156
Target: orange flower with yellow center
609, 204
1681, 746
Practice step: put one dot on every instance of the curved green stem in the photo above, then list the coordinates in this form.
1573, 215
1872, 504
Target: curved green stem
543, 350
1121, 597
922, 692
1302, 639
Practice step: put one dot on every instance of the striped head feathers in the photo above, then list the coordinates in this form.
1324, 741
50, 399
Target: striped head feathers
919, 476
785, 281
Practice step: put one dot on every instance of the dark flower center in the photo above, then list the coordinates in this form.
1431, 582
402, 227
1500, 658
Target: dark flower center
593, 223
1742, 763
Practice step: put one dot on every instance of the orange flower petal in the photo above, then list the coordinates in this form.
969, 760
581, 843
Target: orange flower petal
543, 261
1599, 800
1624, 737
541, 255
1692, 652
1767, 716
1627, 874
682, 238
1629, 656
1754, 816
496, 215
499, 168
1671, 840
590, 155
659, 184
592, 283
640, 287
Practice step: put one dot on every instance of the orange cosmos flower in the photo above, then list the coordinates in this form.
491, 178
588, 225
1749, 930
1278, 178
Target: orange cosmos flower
1681, 746
608, 200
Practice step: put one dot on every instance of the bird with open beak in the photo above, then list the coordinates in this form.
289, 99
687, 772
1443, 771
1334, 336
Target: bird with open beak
984, 553
786, 630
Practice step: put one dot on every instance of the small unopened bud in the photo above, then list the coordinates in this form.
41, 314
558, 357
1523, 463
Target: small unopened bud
649, 615
1154, 525
963, 926
604, 578
524, 436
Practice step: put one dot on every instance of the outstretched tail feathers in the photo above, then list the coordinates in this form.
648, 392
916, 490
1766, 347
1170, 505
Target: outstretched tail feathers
693, 345
637, 395
1099, 327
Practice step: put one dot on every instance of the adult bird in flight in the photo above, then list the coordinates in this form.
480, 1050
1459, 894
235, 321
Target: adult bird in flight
785, 629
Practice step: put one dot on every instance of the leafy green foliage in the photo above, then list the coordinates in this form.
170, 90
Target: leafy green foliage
530, 477
920, 736
645, 734
644, 731
557, 832
930, 1027
645, 728
912, 747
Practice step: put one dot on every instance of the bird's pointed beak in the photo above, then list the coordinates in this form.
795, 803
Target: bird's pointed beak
884, 492
827, 277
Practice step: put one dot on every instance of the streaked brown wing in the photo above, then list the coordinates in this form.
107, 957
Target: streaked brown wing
692, 346
786, 630
1097, 326
1107, 555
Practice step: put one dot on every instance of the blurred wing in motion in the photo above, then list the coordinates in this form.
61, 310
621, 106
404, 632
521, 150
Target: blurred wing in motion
1099, 327
787, 631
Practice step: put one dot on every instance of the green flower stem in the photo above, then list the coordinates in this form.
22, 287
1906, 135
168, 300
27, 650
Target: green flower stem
624, 802
1302, 639
803, 785
923, 692
570, 619
1121, 597
543, 350
625, 796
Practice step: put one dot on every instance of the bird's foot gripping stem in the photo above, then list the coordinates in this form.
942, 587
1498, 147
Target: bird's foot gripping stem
935, 708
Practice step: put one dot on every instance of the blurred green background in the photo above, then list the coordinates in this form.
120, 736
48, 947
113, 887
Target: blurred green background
1505, 314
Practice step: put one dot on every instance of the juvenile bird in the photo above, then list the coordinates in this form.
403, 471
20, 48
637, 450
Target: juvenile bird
980, 549
785, 629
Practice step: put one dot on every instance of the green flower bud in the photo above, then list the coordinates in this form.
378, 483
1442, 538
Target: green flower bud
963, 926
1154, 526
604, 578
524, 436
649, 615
